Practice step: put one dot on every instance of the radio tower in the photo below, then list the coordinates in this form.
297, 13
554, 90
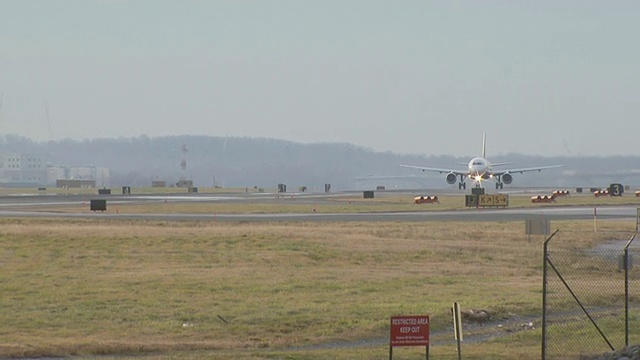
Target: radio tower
46, 109
183, 163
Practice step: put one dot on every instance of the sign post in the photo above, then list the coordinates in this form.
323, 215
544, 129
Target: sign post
457, 326
409, 331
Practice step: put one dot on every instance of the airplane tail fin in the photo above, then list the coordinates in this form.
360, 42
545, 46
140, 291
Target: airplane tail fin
484, 145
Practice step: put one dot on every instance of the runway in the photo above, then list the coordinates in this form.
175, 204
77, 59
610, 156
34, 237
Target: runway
27, 206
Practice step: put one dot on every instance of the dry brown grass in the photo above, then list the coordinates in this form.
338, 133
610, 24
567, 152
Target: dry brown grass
115, 287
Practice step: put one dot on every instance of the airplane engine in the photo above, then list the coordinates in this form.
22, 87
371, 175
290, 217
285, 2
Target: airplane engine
451, 178
507, 178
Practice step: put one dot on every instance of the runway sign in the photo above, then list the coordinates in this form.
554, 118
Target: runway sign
494, 200
616, 190
499, 200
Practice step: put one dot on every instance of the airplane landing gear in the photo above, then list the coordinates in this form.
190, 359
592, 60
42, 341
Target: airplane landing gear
462, 184
499, 183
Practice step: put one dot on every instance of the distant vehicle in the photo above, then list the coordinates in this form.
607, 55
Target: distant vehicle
479, 169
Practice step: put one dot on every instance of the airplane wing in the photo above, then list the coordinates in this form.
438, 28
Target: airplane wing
439, 170
523, 170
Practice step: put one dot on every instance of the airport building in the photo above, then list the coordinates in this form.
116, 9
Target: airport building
31, 170
78, 176
18, 169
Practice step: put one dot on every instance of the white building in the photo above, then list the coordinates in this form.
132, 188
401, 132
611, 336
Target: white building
101, 175
18, 169
57, 173
24, 170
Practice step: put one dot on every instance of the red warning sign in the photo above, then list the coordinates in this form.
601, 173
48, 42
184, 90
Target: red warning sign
410, 330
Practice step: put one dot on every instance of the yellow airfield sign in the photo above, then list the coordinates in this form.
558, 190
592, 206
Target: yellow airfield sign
499, 200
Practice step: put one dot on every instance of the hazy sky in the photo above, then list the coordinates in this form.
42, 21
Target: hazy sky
425, 77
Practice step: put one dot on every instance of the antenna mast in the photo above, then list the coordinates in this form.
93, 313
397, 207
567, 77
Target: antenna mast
183, 163
46, 109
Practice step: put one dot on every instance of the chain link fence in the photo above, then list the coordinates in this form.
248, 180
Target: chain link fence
591, 294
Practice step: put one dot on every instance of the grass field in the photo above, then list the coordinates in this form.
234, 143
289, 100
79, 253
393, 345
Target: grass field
218, 290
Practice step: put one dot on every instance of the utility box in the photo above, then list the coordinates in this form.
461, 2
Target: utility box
98, 205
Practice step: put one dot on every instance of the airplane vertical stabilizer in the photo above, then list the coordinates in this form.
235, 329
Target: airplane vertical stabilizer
484, 145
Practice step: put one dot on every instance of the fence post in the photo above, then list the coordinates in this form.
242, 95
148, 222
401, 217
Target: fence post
626, 290
544, 295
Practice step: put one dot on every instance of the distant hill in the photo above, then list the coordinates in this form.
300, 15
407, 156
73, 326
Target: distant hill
265, 162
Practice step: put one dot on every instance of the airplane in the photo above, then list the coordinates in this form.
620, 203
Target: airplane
479, 169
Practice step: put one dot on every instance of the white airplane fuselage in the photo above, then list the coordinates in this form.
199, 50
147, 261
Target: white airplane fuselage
479, 169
